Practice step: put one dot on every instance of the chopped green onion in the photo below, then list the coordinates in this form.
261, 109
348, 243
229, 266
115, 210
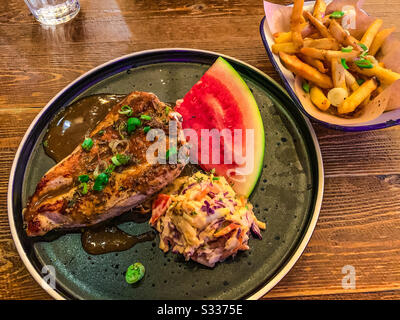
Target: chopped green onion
115, 161
215, 178
120, 159
363, 54
306, 86
83, 178
135, 273
347, 49
167, 109
145, 117
100, 182
123, 158
126, 110
87, 144
360, 81
132, 123
363, 46
84, 188
109, 169
337, 14
100, 133
344, 64
364, 63
146, 129
170, 152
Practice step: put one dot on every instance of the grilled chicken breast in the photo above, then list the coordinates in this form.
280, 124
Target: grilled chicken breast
66, 197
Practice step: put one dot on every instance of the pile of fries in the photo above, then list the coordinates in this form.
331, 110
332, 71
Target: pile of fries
340, 73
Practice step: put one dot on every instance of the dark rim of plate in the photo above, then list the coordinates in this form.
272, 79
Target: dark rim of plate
297, 102
74, 89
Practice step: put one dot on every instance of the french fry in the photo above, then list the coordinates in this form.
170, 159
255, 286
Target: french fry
324, 43
379, 39
319, 9
328, 55
371, 32
338, 74
319, 99
358, 96
385, 75
296, 20
282, 37
305, 71
290, 47
351, 81
318, 25
342, 36
318, 64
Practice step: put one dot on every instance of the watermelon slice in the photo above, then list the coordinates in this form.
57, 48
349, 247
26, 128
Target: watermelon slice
223, 113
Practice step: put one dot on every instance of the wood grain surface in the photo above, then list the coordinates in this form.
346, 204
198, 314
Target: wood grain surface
359, 224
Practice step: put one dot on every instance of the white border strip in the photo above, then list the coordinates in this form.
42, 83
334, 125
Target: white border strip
257, 295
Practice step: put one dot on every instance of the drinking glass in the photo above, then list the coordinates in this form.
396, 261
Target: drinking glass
52, 12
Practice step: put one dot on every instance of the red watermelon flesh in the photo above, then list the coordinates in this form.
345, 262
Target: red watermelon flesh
221, 100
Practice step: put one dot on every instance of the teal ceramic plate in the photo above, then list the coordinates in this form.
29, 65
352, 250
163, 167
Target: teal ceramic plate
287, 197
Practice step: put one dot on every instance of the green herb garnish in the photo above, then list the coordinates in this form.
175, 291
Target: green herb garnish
170, 152
306, 86
84, 188
145, 117
146, 129
360, 81
132, 123
215, 178
126, 110
83, 178
87, 144
120, 159
100, 182
167, 110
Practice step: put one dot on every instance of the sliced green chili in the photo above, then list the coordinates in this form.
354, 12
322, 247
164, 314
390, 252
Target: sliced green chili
344, 64
347, 49
336, 14
135, 273
364, 63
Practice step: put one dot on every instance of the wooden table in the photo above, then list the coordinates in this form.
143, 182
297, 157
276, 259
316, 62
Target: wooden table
359, 224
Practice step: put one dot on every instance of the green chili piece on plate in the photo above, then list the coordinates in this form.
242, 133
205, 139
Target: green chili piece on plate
134, 273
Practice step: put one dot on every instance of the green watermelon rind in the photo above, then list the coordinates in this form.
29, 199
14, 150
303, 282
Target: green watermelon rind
237, 77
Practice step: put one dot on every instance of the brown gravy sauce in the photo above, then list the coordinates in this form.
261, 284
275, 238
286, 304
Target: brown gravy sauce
65, 132
109, 238
71, 125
